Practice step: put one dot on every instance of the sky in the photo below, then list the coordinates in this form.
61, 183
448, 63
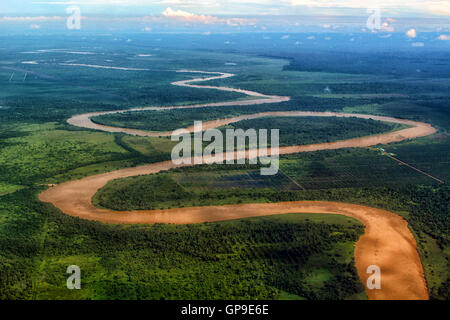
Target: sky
229, 15
231, 7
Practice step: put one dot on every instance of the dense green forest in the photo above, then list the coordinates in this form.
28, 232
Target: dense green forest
295, 256
301, 131
388, 63
425, 207
280, 257
293, 130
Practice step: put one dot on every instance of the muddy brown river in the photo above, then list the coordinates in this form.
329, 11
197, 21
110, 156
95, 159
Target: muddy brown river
386, 243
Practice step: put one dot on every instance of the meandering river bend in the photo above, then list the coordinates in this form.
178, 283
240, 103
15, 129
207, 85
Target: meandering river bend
387, 241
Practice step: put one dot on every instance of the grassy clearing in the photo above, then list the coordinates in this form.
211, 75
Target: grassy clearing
150, 146
6, 188
42, 151
48, 153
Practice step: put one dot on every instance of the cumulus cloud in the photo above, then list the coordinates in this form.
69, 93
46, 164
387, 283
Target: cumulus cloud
444, 37
386, 27
418, 44
186, 16
169, 12
411, 33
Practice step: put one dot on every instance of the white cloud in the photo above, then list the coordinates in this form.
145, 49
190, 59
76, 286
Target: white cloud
417, 44
184, 15
386, 27
177, 13
411, 33
181, 15
440, 7
40, 18
188, 3
444, 37
215, 7
35, 26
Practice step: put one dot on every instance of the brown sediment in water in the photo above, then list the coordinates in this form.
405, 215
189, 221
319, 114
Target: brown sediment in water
386, 243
